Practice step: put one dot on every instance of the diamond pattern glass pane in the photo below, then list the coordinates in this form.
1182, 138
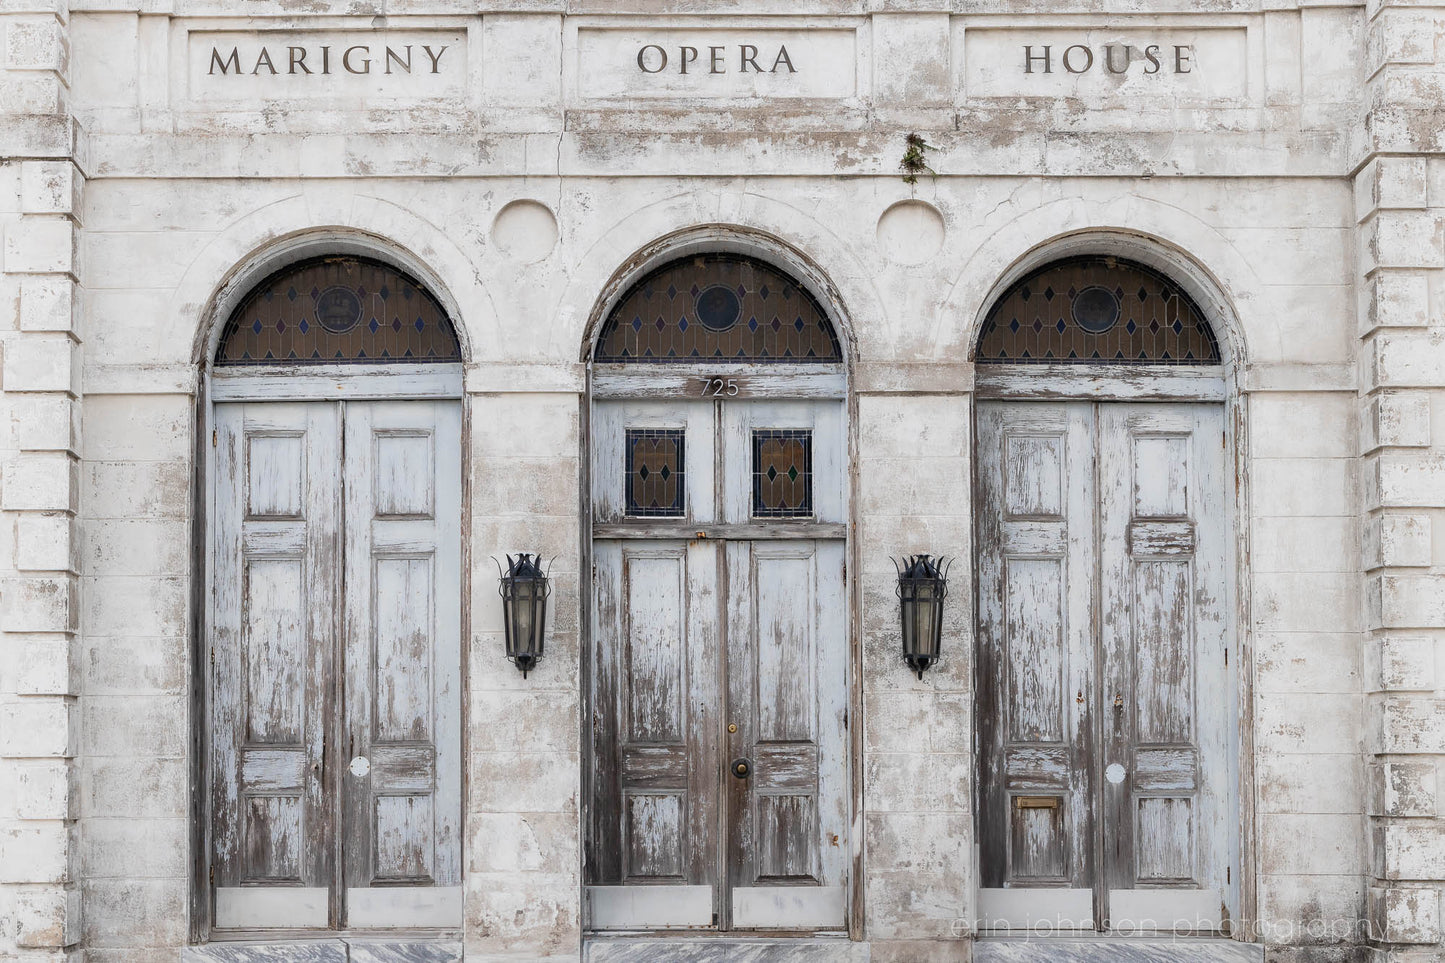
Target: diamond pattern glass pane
782, 473
656, 472
718, 307
1100, 310
338, 310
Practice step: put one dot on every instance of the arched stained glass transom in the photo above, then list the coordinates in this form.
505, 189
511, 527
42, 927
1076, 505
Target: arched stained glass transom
1096, 310
338, 310
718, 307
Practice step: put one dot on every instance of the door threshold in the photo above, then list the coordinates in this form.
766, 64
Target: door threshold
332, 949
722, 948
1107, 948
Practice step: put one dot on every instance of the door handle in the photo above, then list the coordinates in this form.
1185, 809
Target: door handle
742, 768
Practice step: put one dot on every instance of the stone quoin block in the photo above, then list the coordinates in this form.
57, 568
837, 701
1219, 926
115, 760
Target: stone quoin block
40, 363
43, 666
1403, 789
1403, 480
37, 603
1398, 540
41, 481
40, 789
47, 918
49, 187
45, 542
39, 244
1409, 851
1397, 300
1396, 419
48, 303
1400, 664
1411, 601
38, 43
35, 852
45, 422
1400, 915
1411, 725
1403, 359
1389, 183
34, 728
1403, 239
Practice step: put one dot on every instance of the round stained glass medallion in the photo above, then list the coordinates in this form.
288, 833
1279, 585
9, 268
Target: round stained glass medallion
1096, 309
338, 309
718, 307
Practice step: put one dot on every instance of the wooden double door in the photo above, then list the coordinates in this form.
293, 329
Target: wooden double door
334, 654
718, 701
1105, 702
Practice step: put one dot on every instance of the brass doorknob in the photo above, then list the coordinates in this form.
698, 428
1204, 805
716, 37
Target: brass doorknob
742, 768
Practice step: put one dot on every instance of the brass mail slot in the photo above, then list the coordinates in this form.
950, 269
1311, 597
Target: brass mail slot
1036, 802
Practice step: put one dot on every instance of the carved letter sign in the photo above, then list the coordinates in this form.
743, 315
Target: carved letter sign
716, 63
376, 65
1204, 64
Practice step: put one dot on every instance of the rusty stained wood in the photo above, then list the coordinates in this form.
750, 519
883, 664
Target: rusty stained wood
1102, 544
285, 801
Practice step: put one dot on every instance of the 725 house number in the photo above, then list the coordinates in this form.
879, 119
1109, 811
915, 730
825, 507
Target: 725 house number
720, 388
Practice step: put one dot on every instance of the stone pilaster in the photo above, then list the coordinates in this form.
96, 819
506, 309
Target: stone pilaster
1400, 203
40, 186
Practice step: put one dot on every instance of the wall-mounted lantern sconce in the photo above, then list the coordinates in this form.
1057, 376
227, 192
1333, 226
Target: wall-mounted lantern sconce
524, 591
922, 585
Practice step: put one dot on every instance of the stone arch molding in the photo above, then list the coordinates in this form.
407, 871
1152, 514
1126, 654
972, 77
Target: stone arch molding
1192, 253
720, 221
269, 237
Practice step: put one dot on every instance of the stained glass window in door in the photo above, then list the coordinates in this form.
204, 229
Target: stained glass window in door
338, 310
1096, 310
718, 307
656, 472
782, 473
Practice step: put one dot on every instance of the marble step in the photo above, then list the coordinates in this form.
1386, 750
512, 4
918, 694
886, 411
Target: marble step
335, 950
1045, 949
703, 949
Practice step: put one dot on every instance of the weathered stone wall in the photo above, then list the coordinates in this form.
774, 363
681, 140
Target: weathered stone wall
41, 178
1244, 187
1400, 204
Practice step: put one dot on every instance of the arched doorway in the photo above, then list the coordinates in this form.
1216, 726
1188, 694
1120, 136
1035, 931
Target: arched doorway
332, 645
718, 793
1107, 651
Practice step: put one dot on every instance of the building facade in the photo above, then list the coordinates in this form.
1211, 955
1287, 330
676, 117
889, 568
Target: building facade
315, 316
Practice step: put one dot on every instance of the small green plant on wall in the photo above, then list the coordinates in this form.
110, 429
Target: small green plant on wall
914, 160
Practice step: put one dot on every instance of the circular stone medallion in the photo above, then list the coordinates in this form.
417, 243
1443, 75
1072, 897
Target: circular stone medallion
525, 231
1096, 309
910, 232
338, 309
718, 307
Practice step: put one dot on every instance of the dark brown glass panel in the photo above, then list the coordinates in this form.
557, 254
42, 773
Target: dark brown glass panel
656, 471
338, 310
717, 307
782, 473
1096, 309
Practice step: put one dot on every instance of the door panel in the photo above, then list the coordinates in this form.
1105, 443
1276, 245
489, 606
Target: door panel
655, 771
787, 690
274, 519
1035, 530
335, 635
1164, 640
694, 636
401, 785
1122, 573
